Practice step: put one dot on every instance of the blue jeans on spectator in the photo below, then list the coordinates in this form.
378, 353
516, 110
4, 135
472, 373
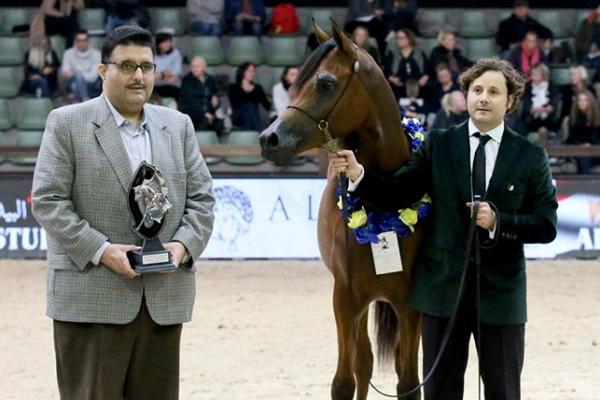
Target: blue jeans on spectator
241, 28
205, 29
82, 89
247, 116
38, 87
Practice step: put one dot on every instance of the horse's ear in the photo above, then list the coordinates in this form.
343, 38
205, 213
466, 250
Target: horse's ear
321, 35
342, 41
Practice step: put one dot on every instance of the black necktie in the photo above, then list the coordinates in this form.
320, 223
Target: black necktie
478, 174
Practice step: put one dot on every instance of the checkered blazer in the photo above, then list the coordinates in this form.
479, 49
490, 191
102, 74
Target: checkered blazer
80, 198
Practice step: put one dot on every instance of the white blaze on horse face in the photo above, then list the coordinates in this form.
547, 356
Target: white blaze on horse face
487, 100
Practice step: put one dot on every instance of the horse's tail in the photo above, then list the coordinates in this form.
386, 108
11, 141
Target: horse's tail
386, 327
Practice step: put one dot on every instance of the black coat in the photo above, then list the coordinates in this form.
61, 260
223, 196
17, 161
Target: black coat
525, 203
513, 30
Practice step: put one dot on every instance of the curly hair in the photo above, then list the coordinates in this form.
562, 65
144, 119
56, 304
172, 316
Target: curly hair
515, 82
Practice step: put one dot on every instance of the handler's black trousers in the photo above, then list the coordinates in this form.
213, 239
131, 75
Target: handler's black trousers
135, 361
501, 353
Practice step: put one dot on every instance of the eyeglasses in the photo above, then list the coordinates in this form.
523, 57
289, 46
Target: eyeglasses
129, 67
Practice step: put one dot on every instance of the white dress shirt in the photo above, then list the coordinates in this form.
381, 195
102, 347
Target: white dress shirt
136, 141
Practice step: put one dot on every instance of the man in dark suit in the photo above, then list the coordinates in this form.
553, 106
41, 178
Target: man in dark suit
512, 176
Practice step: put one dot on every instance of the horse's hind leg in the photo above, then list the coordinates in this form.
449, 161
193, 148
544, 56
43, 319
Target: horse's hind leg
407, 362
363, 362
342, 387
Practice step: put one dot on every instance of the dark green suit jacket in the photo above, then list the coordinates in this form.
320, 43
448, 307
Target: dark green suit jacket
522, 193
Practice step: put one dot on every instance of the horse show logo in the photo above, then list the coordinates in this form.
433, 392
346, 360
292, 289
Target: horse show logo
233, 215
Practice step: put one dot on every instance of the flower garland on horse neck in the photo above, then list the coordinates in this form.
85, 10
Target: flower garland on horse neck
367, 225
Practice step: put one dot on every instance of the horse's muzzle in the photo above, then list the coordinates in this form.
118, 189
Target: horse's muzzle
275, 146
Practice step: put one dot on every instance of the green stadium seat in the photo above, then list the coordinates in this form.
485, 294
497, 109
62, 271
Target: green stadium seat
1, 144
58, 44
555, 20
209, 47
244, 49
208, 138
275, 78
321, 16
27, 138
12, 17
13, 51
427, 44
6, 121
502, 15
9, 82
170, 18
560, 76
434, 19
97, 42
474, 24
244, 138
92, 20
33, 114
285, 50
480, 48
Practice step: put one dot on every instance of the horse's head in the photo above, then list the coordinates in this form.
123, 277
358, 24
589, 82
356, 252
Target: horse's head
327, 98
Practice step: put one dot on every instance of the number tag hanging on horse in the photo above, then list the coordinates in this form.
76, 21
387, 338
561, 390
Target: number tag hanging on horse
386, 254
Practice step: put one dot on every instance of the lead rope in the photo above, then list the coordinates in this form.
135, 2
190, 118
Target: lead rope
451, 322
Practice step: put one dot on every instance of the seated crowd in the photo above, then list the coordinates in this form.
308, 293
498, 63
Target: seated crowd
425, 84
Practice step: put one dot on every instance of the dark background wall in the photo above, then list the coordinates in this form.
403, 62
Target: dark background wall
342, 3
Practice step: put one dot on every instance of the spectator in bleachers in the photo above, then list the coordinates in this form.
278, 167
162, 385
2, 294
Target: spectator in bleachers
579, 82
443, 84
245, 97
126, 12
80, 68
403, 14
198, 97
413, 105
539, 102
206, 16
561, 54
41, 68
281, 98
512, 30
447, 53
453, 111
245, 17
360, 36
284, 19
404, 61
528, 54
587, 33
584, 127
60, 18
371, 14
168, 66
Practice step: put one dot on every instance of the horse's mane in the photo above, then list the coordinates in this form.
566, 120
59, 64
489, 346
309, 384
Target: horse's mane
313, 61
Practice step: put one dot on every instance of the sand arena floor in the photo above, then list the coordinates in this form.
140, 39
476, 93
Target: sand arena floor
265, 330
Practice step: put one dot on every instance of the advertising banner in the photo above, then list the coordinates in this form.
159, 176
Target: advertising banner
277, 218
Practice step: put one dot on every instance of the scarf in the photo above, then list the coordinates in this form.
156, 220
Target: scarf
528, 59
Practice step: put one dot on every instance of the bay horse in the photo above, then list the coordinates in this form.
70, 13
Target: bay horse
342, 89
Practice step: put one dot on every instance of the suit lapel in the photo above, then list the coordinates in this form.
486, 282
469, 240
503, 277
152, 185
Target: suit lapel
159, 141
112, 144
505, 162
460, 150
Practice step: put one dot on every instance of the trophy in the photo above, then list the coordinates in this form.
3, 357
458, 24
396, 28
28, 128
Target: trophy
147, 202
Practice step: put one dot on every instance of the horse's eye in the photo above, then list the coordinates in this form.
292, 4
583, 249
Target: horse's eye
325, 85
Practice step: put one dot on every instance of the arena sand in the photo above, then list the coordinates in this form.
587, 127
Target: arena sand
265, 330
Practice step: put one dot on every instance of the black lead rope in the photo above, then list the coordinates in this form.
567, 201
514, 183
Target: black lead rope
470, 238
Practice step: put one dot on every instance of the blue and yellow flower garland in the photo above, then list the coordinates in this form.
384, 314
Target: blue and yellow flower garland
366, 225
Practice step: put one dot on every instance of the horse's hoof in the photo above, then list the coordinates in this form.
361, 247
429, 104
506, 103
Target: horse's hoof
342, 389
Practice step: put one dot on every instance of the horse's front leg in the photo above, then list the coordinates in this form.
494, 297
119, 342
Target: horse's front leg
363, 365
407, 362
342, 387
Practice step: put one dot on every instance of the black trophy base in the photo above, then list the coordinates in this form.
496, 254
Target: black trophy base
144, 262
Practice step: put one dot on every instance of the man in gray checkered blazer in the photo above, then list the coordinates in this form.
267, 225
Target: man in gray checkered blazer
116, 333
